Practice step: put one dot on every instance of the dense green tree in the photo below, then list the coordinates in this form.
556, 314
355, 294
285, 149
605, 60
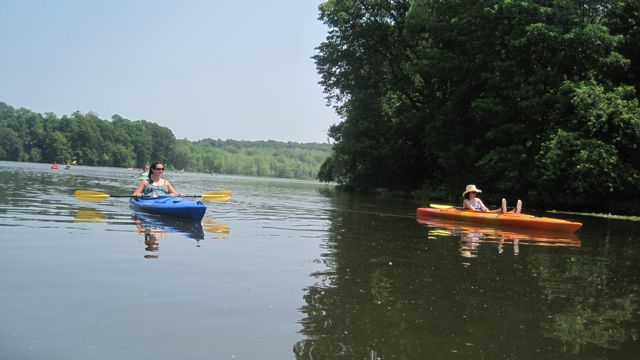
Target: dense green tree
10, 147
89, 140
162, 141
120, 155
438, 94
57, 148
136, 134
622, 19
362, 65
34, 134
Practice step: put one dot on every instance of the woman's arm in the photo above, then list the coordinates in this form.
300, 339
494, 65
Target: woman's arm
172, 191
484, 208
466, 205
138, 191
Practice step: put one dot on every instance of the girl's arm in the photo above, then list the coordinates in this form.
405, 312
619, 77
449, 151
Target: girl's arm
466, 205
484, 208
172, 191
138, 191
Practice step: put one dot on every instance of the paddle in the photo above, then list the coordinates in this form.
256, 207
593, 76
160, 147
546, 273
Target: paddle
439, 206
95, 196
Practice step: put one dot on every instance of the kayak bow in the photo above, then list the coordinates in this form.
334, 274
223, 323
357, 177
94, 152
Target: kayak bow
170, 205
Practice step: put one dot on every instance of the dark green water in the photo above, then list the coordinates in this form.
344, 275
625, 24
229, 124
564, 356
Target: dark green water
293, 270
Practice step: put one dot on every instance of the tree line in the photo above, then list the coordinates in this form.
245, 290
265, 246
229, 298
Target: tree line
88, 140
534, 99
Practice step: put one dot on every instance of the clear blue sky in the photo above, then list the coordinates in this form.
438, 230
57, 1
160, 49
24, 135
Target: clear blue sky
237, 70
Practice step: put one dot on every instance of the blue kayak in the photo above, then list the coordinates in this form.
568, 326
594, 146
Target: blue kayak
170, 205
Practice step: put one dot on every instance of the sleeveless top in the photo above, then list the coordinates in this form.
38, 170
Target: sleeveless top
156, 190
475, 205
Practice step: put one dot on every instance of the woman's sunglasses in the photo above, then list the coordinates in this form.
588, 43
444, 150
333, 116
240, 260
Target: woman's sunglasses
160, 169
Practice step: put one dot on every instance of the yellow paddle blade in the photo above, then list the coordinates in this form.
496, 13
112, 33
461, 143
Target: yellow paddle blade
87, 215
218, 196
439, 206
90, 196
212, 226
440, 232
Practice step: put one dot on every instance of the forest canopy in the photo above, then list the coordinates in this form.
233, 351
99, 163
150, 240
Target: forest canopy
529, 99
88, 140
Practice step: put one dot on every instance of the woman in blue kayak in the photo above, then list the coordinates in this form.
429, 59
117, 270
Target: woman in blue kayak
472, 202
156, 185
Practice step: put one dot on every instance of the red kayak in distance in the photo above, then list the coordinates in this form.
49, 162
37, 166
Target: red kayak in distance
512, 220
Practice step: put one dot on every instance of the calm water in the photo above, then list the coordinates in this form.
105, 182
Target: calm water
293, 270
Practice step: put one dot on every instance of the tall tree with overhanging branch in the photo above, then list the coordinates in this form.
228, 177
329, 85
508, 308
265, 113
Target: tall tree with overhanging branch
524, 96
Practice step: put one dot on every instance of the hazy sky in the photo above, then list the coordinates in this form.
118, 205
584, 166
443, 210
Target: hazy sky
237, 70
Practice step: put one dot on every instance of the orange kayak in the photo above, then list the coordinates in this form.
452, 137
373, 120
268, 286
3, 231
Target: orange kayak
498, 219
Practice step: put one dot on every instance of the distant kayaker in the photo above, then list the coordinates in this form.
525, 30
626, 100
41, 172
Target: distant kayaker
156, 185
144, 173
473, 203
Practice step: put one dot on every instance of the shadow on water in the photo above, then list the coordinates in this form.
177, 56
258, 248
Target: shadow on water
396, 289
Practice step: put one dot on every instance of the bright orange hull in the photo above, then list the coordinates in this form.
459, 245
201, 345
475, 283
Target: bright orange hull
498, 219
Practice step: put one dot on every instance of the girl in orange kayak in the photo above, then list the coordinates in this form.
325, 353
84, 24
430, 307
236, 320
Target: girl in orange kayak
473, 203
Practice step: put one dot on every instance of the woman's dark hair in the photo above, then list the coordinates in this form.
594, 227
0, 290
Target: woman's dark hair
466, 196
153, 167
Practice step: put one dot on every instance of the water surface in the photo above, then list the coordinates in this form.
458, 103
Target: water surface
293, 270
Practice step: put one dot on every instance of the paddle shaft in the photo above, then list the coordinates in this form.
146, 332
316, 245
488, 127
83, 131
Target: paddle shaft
440, 206
95, 196
155, 197
149, 197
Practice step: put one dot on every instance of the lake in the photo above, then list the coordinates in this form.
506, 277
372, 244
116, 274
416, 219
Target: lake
295, 270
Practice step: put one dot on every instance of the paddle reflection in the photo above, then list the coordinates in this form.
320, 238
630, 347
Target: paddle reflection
89, 216
220, 230
472, 236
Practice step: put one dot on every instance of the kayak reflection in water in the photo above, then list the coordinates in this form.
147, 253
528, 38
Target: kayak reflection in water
470, 241
156, 185
472, 236
151, 238
152, 245
473, 203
